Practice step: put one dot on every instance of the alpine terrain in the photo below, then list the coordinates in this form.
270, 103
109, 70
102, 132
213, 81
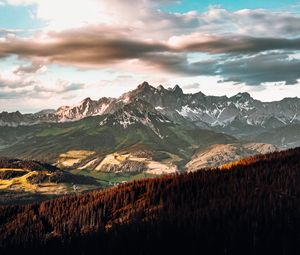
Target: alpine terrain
151, 131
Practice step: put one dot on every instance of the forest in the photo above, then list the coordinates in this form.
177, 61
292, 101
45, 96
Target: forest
248, 207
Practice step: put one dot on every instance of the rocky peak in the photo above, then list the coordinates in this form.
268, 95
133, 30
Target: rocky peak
136, 112
63, 108
44, 113
86, 100
12, 119
160, 88
145, 86
139, 105
177, 90
12, 114
244, 95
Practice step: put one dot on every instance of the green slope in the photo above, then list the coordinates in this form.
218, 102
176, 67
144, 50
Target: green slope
47, 141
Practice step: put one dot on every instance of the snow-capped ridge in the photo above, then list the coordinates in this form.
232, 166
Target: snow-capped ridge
172, 103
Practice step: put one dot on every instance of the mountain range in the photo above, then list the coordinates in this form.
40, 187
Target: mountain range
239, 115
151, 128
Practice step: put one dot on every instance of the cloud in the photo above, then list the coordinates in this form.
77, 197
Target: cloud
255, 22
198, 42
33, 68
178, 63
234, 58
18, 85
61, 86
253, 70
160, 24
81, 47
194, 85
14, 83
95, 46
119, 13
261, 68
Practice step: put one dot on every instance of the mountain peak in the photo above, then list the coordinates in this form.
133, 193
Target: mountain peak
243, 94
86, 100
160, 87
144, 85
177, 90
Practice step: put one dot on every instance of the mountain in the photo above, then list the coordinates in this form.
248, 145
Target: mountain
136, 131
13, 119
164, 127
251, 207
23, 181
137, 112
240, 115
285, 137
85, 108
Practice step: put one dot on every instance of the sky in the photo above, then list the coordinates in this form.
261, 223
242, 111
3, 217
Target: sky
58, 52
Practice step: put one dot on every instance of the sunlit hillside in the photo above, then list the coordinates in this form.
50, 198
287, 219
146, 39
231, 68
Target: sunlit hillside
23, 181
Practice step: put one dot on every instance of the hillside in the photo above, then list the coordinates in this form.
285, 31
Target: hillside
250, 207
220, 154
24, 181
100, 136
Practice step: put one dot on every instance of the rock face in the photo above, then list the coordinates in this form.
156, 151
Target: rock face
85, 108
137, 112
127, 166
221, 154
